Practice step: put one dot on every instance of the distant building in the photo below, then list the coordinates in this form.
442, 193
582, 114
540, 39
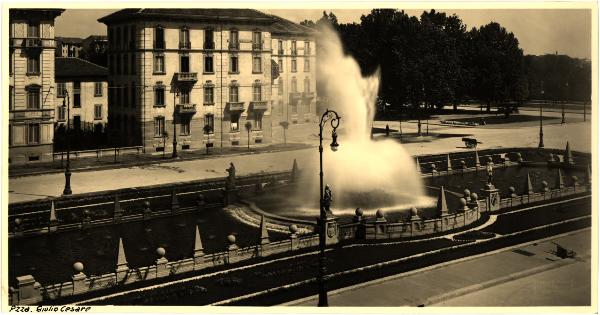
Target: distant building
95, 43
68, 46
204, 67
31, 84
86, 85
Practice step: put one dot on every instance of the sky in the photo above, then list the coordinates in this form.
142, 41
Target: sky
540, 31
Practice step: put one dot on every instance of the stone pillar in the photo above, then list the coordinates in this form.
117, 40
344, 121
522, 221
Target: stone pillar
122, 267
174, 201
528, 186
18, 227
28, 291
161, 263
294, 173
472, 202
264, 233
414, 220
463, 204
568, 159
232, 250
118, 212
358, 215
198, 250
492, 196
147, 211
331, 229
293, 237
449, 164
200, 201
53, 224
477, 162
442, 206
560, 183
79, 283
380, 225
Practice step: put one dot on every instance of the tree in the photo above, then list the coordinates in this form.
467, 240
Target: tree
285, 126
248, 126
308, 23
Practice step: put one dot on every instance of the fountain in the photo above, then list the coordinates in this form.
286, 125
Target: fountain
362, 173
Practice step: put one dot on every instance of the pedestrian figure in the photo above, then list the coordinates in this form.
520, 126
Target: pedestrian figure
327, 198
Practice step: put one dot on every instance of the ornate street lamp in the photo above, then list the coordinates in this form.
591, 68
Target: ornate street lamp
175, 94
67, 190
324, 202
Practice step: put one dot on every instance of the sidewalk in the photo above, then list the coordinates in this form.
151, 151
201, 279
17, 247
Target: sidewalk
41, 186
419, 288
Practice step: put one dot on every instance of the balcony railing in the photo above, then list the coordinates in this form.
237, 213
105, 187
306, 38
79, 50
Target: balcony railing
308, 95
185, 45
234, 46
280, 51
33, 43
294, 96
190, 77
209, 45
259, 105
235, 106
185, 109
159, 44
256, 46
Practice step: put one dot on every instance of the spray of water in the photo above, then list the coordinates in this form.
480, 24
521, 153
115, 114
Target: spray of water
363, 172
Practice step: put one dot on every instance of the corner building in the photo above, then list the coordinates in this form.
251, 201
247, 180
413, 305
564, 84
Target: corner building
202, 75
32, 87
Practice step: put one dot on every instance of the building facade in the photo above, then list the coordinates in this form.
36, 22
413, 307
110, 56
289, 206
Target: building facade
83, 86
198, 75
31, 84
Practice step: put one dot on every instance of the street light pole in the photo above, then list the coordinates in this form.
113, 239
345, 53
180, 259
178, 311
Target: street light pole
175, 94
334, 119
541, 144
67, 190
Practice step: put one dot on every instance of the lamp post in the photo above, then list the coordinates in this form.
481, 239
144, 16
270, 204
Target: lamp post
175, 94
541, 144
67, 190
334, 120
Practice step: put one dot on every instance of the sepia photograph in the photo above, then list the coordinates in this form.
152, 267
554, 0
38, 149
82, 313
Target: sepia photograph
420, 156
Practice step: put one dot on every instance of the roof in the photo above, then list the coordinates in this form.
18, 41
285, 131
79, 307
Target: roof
97, 38
188, 14
69, 67
69, 40
284, 26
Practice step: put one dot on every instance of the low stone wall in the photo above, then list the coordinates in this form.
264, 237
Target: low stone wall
28, 291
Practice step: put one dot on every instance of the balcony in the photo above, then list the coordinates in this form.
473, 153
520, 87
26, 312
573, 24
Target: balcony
280, 52
186, 77
259, 105
235, 106
185, 45
33, 43
234, 46
256, 46
209, 45
185, 109
27, 114
295, 96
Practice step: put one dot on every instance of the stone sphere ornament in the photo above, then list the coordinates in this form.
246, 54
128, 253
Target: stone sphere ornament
160, 252
379, 214
474, 196
293, 228
463, 202
231, 239
414, 211
358, 212
78, 266
18, 221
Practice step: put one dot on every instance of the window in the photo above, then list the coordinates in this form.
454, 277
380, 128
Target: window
11, 97
280, 47
209, 120
234, 93
33, 64
159, 64
77, 122
184, 39
76, 94
306, 64
234, 40
209, 93
233, 64
294, 65
280, 86
133, 93
294, 48
209, 42
306, 85
280, 105
117, 64
294, 85
184, 97
159, 95
33, 133
124, 64
235, 121
258, 120
98, 111
280, 63
184, 63
132, 38
256, 41
307, 48
159, 126
185, 128
97, 88
33, 29
256, 64
33, 98
132, 63
208, 64
61, 89
257, 92
159, 38
61, 113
